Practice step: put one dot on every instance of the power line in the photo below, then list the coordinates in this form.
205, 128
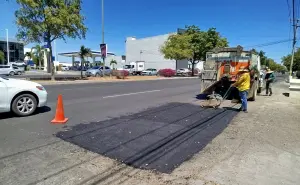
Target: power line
269, 43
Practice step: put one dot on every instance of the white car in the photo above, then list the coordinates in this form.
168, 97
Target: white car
183, 71
149, 72
64, 68
7, 70
20, 96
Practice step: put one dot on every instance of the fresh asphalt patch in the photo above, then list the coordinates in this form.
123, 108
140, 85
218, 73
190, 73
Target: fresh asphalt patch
157, 139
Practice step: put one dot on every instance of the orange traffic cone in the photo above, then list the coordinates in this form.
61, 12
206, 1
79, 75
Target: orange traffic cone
60, 115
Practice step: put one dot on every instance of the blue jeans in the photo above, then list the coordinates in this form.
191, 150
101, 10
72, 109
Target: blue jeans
243, 95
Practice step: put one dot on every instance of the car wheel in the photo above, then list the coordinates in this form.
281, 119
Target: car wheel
19, 73
24, 105
97, 75
150, 74
11, 73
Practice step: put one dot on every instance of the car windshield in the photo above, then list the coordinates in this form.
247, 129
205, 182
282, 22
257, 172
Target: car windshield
95, 67
149, 69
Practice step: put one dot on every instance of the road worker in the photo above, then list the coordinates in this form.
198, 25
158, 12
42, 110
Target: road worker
243, 85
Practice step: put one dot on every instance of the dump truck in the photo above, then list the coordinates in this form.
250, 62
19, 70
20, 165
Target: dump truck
221, 70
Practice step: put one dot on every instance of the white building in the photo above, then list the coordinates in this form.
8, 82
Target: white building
148, 51
25, 51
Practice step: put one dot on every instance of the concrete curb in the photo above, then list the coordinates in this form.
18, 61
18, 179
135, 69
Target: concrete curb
95, 81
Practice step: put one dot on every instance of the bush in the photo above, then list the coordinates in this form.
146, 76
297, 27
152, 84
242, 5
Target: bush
120, 74
167, 72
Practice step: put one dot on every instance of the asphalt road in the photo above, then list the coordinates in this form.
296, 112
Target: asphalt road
31, 152
85, 103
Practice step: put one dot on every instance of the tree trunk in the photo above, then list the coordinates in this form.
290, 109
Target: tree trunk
193, 66
51, 62
40, 62
81, 75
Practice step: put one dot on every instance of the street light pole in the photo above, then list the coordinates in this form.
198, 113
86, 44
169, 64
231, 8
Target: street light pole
103, 31
7, 47
102, 21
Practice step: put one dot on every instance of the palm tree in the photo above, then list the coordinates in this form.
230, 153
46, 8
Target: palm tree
38, 53
2, 58
84, 52
113, 63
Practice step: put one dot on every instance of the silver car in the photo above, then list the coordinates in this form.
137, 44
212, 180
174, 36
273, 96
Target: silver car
149, 72
18, 70
7, 70
97, 71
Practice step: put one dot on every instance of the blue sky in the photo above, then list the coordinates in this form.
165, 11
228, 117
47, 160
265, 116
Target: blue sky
246, 23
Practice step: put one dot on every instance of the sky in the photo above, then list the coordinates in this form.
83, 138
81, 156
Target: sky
242, 22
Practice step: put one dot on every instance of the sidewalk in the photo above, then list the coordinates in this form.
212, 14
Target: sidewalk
110, 79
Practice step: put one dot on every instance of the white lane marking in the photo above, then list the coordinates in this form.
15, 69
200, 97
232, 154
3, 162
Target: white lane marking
118, 95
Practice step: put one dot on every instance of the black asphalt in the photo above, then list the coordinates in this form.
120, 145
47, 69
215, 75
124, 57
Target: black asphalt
159, 138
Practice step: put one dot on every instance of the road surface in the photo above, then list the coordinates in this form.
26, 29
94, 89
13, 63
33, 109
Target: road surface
86, 103
32, 154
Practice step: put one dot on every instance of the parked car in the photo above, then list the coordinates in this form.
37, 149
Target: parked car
183, 72
7, 70
149, 72
64, 68
18, 70
21, 97
97, 71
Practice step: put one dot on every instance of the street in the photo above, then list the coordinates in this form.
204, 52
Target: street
84, 103
113, 124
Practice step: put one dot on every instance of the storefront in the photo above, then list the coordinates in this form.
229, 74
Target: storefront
16, 50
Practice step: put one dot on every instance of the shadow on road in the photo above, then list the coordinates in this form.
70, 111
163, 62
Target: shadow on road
39, 110
286, 94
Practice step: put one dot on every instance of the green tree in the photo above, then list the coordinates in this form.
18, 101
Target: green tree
38, 53
263, 58
192, 44
287, 61
113, 63
48, 20
84, 52
2, 57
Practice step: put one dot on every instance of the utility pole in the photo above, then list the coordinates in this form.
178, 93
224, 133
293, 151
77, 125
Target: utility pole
295, 26
103, 32
102, 21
